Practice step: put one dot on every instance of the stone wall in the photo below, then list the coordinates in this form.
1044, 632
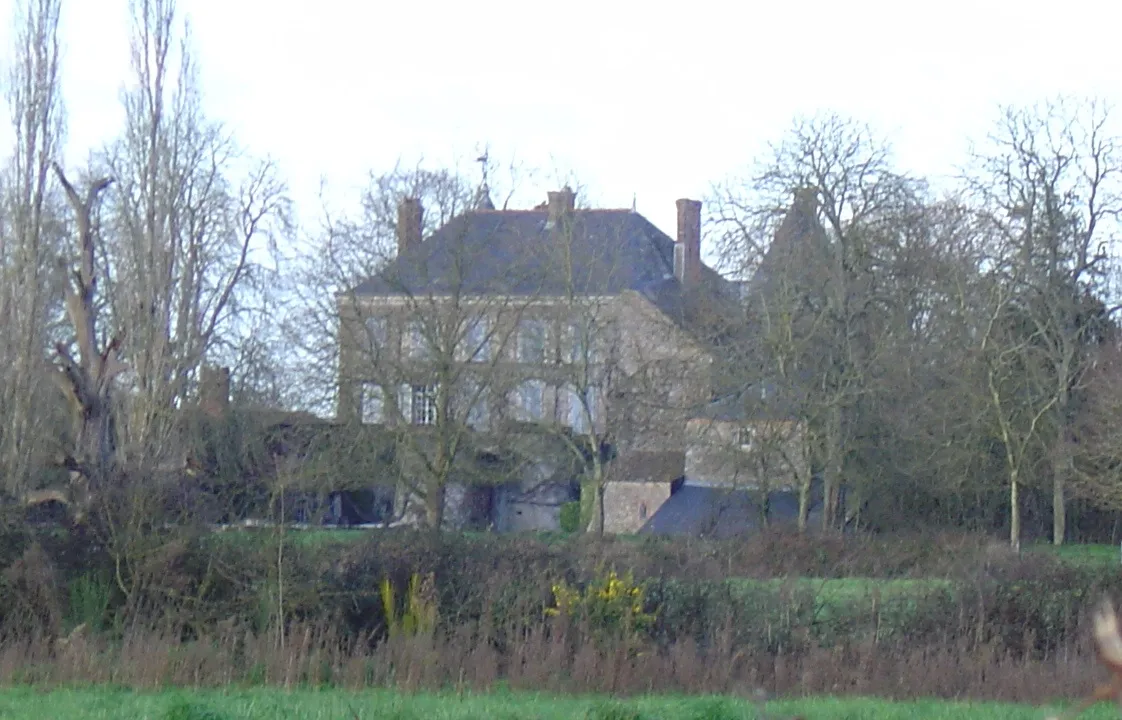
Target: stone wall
765, 454
628, 505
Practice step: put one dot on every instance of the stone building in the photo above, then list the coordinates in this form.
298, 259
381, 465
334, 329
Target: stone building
591, 322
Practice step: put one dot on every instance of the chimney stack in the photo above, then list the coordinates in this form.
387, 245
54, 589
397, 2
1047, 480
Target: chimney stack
687, 250
410, 215
806, 199
214, 390
561, 203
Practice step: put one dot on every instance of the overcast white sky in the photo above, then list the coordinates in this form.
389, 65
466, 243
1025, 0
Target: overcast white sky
632, 100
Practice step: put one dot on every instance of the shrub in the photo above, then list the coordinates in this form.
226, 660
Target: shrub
90, 596
570, 517
612, 605
419, 611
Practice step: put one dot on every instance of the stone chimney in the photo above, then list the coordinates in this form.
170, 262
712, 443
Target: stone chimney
410, 215
561, 203
214, 390
806, 200
687, 249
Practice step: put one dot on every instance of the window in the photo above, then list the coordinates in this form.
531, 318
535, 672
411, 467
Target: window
377, 333
576, 413
531, 341
530, 401
418, 404
373, 403
475, 400
476, 343
424, 404
479, 414
575, 339
415, 343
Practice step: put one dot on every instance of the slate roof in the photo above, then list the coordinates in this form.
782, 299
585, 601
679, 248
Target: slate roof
715, 512
791, 279
523, 253
649, 466
797, 259
762, 400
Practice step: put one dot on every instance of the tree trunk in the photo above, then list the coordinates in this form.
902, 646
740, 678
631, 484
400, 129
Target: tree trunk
804, 502
1059, 511
831, 475
600, 520
88, 380
434, 507
1061, 471
1014, 511
596, 525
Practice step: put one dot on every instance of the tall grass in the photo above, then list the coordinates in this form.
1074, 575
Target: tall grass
553, 656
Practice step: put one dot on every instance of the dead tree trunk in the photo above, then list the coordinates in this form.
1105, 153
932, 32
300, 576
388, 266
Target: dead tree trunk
86, 380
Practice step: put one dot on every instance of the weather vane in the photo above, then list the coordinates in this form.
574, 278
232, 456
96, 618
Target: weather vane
482, 160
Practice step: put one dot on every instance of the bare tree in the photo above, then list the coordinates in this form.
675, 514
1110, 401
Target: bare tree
184, 235
1048, 182
822, 329
435, 361
345, 252
417, 340
30, 239
87, 380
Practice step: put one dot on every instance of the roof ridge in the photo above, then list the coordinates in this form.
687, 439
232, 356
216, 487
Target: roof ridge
545, 211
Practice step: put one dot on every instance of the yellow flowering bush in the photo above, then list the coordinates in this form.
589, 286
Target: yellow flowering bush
420, 607
610, 604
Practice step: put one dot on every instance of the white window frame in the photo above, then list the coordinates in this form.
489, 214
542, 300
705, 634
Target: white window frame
373, 404
423, 404
574, 343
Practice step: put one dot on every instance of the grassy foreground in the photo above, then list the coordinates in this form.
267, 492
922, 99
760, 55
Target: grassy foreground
74, 704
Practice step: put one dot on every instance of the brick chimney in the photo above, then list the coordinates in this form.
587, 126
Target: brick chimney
687, 249
561, 203
214, 390
410, 215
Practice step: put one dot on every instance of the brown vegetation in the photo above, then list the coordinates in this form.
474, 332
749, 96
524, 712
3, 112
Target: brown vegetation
543, 658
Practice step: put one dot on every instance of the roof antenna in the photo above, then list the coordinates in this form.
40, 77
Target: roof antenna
632, 202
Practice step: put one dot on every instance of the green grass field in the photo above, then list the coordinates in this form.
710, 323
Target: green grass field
76, 704
1082, 554
318, 536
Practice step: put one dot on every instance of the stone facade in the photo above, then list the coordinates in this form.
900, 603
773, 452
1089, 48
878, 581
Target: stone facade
623, 349
628, 505
753, 454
